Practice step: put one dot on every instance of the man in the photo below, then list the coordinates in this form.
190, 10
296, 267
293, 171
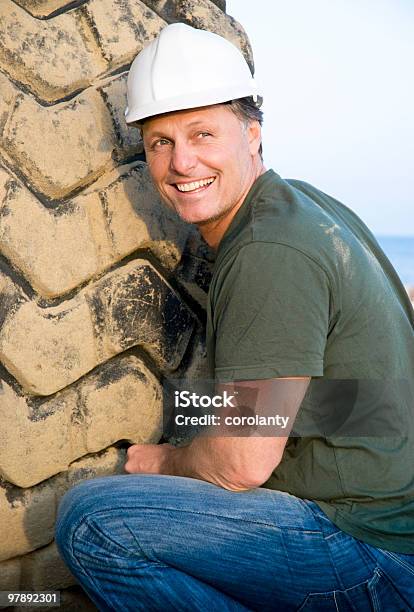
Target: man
302, 300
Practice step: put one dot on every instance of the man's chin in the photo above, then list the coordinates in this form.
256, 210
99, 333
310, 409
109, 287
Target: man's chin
199, 219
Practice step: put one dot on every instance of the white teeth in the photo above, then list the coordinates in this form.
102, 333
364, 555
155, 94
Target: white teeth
195, 185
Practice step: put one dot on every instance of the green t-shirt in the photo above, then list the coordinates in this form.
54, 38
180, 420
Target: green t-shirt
301, 288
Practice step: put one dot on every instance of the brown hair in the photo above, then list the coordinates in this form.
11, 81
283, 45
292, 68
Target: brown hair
247, 110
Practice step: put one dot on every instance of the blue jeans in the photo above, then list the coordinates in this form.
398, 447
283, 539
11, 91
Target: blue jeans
148, 542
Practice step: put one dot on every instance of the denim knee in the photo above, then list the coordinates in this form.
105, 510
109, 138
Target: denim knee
74, 507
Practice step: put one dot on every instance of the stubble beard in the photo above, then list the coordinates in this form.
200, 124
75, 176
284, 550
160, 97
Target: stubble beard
204, 222
214, 218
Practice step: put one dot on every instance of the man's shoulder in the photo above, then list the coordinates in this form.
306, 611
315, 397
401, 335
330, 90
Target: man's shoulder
299, 223
276, 210
292, 213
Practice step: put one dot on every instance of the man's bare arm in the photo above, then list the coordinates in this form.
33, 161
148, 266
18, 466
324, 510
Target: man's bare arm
234, 463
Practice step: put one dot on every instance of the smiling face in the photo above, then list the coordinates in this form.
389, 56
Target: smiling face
203, 162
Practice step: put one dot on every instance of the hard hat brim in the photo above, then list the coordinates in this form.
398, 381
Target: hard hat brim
193, 100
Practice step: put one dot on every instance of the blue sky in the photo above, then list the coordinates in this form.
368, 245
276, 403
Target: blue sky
338, 84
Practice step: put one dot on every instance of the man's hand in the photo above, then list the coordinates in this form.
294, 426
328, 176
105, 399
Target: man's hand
148, 458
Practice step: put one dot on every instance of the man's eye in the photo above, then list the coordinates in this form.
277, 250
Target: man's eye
161, 142
204, 134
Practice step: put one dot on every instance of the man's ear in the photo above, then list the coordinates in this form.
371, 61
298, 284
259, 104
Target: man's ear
254, 136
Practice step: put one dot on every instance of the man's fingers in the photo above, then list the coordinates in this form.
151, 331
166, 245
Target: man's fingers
130, 465
145, 458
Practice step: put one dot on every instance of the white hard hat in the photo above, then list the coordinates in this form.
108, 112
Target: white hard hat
185, 68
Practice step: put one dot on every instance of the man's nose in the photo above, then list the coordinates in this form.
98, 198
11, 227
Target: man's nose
183, 158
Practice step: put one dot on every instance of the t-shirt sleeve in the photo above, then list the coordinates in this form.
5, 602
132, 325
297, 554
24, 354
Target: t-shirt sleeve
271, 315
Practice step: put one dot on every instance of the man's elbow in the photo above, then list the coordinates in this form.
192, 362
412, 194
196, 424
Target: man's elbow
251, 479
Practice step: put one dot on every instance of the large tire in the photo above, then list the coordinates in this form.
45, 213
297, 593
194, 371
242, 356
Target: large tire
101, 290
